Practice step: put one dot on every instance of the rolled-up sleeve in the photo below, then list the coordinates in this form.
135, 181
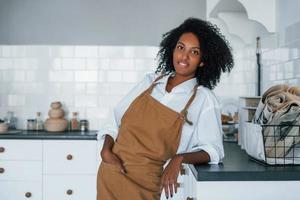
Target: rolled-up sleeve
209, 131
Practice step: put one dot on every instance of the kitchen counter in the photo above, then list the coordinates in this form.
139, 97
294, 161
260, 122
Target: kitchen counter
67, 135
237, 166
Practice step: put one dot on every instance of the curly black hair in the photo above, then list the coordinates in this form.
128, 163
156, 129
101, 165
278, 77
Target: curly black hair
216, 52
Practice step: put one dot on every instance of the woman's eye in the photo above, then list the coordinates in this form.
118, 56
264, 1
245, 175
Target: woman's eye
195, 52
179, 47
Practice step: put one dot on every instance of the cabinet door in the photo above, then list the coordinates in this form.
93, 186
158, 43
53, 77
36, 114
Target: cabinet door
70, 157
21, 170
20, 190
190, 185
20, 150
81, 187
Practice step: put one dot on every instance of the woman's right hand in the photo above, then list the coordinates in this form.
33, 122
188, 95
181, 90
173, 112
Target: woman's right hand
109, 157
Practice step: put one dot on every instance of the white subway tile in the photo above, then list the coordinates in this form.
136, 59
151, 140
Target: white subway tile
30, 76
57, 64
16, 100
67, 51
92, 88
60, 76
19, 76
130, 76
6, 63
120, 88
4, 87
79, 88
102, 76
146, 52
86, 76
85, 101
121, 64
73, 64
114, 76
103, 64
36, 51
25, 63
145, 64
109, 101
111, 52
86, 51
104, 89
100, 112
92, 63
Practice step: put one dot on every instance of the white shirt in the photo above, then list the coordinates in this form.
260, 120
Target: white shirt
205, 133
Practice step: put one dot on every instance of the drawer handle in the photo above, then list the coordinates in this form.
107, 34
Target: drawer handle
2, 170
69, 157
69, 192
189, 198
28, 194
2, 149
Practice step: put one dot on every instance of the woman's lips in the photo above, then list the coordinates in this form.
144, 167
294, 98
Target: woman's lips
183, 64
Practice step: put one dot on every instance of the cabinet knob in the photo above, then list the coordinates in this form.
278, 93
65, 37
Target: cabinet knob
69, 157
1, 170
2, 149
189, 198
69, 192
28, 194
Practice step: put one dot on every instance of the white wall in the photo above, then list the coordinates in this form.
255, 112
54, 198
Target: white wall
92, 22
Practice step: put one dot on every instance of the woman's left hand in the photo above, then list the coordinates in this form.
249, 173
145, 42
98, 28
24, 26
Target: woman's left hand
170, 174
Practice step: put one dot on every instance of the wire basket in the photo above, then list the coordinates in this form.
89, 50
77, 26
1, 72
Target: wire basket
274, 144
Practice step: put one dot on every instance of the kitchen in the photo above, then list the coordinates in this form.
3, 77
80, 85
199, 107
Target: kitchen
89, 55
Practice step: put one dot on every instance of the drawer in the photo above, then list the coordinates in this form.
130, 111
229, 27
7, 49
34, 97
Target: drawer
20, 190
21, 170
20, 150
69, 187
70, 157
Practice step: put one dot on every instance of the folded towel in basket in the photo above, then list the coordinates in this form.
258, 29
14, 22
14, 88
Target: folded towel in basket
279, 109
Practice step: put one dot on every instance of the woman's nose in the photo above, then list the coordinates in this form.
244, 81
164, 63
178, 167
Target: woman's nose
184, 55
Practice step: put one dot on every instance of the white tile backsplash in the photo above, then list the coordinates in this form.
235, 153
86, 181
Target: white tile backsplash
87, 79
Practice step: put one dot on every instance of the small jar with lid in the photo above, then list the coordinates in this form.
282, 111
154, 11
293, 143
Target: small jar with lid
84, 125
74, 123
31, 124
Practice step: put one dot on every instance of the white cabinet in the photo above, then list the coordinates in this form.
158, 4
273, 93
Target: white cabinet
20, 169
73, 187
48, 169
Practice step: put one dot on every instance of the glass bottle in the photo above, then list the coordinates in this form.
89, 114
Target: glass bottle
11, 120
39, 124
74, 123
84, 125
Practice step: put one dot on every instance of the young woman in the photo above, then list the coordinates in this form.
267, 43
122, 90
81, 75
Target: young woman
171, 115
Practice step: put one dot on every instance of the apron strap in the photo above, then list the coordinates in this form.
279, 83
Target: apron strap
184, 112
149, 90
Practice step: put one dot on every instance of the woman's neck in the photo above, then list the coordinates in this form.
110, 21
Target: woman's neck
173, 81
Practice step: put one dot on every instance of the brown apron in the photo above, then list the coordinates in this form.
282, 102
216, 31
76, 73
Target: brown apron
149, 135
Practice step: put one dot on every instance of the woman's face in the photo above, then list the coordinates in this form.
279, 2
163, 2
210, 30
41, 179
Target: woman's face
187, 55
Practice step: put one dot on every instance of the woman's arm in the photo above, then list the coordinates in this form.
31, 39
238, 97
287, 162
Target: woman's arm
108, 156
170, 175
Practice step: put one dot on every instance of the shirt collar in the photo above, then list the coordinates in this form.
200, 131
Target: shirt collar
186, 86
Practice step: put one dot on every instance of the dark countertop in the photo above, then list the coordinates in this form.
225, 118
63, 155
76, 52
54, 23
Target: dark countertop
237, 166
43, 135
